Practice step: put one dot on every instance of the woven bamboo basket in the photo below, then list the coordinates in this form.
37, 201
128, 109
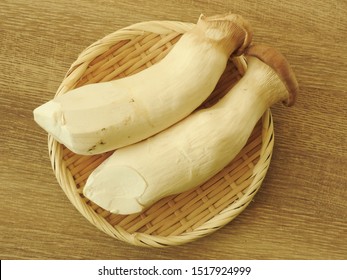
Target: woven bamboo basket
177, 219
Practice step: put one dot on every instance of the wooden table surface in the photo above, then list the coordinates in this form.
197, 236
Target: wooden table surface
300, 212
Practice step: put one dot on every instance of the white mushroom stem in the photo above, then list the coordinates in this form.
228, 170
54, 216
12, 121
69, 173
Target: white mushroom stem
192, 151
100, 117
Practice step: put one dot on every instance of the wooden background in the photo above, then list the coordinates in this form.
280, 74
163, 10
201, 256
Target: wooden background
299, 213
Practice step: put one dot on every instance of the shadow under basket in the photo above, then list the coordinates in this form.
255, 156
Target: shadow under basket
177, 219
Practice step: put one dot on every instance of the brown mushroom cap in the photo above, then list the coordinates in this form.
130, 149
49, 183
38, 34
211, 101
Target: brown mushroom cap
280, 65
231, 23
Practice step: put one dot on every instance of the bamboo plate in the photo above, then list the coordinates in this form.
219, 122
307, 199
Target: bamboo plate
180, 218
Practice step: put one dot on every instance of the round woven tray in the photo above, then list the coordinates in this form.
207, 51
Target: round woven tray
180, 218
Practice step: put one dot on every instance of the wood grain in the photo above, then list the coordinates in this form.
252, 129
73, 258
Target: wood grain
299, 213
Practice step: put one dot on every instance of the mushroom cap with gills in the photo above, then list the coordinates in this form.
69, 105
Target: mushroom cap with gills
280, 65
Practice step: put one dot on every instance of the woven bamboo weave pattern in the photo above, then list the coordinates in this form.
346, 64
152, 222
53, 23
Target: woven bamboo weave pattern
180, 218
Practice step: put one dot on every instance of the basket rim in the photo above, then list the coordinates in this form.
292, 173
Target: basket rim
68, 185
